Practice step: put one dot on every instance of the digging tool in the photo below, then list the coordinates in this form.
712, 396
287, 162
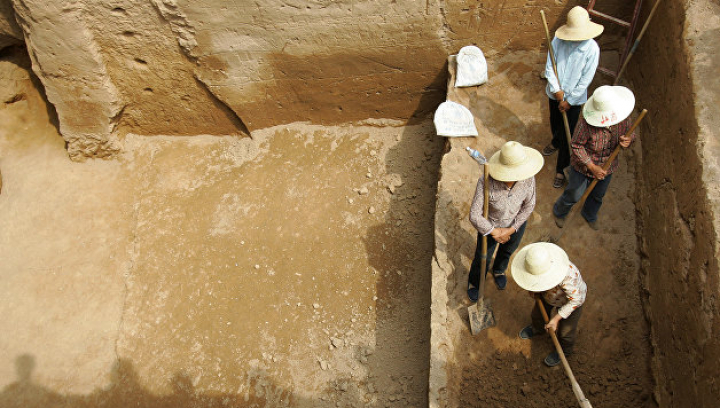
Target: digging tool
480, 314
636, 43
568, 135
584, 403
590, 188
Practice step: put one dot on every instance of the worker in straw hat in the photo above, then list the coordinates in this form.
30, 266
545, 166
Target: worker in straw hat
605, 121
576, 56
511, 192
544, 270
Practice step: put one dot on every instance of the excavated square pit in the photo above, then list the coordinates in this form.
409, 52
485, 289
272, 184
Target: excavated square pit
291, 269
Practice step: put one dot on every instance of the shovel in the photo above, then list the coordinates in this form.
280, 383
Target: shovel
571, 214
480, 314
584, 403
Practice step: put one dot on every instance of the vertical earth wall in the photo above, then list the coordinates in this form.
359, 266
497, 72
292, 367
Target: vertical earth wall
675, 77
179, 67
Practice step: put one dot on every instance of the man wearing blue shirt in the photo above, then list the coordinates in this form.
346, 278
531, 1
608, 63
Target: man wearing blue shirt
577, 56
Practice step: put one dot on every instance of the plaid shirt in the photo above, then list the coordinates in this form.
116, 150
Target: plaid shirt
596, 144
508, 207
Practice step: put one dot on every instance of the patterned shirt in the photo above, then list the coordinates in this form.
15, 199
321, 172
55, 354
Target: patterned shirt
509, 207
576, 65
596, 144
569, 294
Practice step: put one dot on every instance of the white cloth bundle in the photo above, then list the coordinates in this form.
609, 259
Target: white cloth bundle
452, 119
471, 67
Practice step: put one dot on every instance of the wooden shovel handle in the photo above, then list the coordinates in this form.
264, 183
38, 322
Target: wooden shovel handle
584, 403
568, 136
486, 206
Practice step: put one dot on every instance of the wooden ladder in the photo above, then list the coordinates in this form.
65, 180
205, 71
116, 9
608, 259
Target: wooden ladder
628, 25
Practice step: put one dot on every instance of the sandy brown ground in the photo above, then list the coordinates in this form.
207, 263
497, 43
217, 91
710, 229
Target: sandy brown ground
496, 368
287, 270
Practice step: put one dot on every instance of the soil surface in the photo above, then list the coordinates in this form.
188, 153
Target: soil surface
496, 368
291, 269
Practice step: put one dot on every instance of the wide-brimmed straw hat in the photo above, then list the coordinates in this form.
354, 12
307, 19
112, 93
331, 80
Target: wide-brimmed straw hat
608, 105
515, 162
540, 266
578, 26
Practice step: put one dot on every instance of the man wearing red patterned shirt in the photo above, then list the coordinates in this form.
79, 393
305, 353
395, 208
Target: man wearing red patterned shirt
603, 126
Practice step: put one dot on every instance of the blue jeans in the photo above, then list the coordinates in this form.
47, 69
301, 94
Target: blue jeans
501, 259
576, 187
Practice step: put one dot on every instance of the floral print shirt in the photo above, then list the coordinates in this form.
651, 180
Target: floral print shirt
509, 207
569, 294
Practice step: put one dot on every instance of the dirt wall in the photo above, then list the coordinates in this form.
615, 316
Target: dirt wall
675, 75
216, 67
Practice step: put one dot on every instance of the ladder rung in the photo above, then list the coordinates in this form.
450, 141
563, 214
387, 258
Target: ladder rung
607, 71
610, 18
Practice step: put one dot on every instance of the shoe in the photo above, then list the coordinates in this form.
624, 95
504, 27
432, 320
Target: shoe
527, 333
560, 222
548, 150
552, 359
500, 280
559, 180
473, 293
594, 225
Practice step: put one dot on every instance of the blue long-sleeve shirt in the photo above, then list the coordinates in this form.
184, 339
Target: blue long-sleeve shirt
576, 65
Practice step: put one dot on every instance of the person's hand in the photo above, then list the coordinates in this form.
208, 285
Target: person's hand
553, 323
564, 106
596, 171
625, 141
501, 235
559, 95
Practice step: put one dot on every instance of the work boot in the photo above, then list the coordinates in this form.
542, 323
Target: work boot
552, 359
500, 280
527, 333
473, 293
594, 225
548, 150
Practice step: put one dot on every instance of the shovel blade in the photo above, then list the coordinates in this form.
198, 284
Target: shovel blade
481, 317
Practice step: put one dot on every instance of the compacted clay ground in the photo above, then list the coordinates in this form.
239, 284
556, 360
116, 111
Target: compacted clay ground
496, 368
291, 269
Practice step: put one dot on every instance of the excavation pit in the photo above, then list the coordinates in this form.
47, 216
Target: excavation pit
253, 239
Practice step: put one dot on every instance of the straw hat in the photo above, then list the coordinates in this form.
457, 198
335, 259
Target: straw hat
540, 266
608, 105
578, 26
515, 162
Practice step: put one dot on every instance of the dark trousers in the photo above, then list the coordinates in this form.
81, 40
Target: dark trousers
567, 328
576, 187
557, 126
502, 258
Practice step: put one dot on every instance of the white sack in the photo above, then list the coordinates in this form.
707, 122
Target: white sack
471, 67
453, 119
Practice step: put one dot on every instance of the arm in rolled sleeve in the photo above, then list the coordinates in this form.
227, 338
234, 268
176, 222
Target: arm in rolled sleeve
574, 301
526, 208
480, 223
588, 73
579, 139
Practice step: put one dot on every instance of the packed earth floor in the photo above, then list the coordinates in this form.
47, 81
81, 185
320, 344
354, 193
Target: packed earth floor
287, 270
496, 368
